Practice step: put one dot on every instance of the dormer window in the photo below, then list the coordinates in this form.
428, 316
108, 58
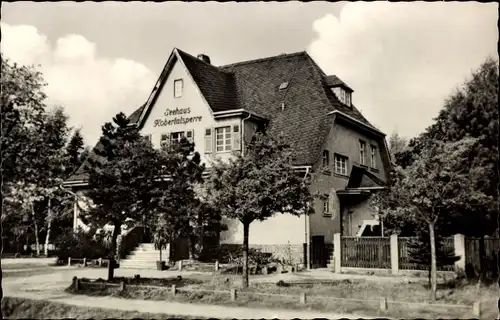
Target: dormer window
343, 95
340, 89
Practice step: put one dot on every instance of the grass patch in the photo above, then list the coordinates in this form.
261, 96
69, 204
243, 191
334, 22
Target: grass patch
21, 308
320, 296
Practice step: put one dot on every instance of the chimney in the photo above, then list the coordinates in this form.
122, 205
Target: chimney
204, 57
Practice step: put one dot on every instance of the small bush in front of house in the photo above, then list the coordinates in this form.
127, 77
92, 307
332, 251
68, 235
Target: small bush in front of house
81, 244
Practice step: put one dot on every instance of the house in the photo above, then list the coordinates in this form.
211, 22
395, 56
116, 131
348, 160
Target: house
220, 107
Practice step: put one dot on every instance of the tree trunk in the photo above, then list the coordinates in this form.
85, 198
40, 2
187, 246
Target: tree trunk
49, 225
191, 247
246, 227
112, 253
433, 261
37, 241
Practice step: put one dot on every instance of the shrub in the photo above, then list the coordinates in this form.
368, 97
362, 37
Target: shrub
233, 254
81, 244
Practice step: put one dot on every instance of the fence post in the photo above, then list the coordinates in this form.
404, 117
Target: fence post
69, 262
84, 262
476, 309
459, 247
100, 262
337, 242
303, 298
394, 254
383, 303
122, 286
173, 290
233, 295
216, 265
180, 265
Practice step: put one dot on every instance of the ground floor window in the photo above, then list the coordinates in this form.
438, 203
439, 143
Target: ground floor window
223, 139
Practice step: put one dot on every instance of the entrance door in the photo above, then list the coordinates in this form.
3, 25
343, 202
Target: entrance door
318, 252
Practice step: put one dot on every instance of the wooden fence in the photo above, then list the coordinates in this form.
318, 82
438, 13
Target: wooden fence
366, 252
302, 298
404, 255
472, 253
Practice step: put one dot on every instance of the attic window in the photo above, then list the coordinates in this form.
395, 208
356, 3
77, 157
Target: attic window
343, 95
283, 85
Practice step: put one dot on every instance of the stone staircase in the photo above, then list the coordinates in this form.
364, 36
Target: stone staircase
143, 257
330, 262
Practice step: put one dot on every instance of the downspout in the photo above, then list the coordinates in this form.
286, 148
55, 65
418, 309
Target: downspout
242, 132
306, 233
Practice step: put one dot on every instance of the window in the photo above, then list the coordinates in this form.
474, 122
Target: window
340, 164
178, 84
348, 99
175, 137
326, 206
362, 145
374, 157
147, 137
223, 139
343, 95
284, 85
326, 158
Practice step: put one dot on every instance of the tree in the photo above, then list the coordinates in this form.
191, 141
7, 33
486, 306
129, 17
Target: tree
431, 189
471, 111
176, 202
257, 184
74, 151
121, 173
397, 145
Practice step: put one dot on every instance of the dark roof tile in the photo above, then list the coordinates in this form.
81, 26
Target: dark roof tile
254, 86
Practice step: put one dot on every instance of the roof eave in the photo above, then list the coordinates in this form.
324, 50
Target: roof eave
357, 122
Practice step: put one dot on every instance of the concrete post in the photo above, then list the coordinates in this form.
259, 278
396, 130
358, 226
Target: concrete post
394, 254
100, 262
303, 298
233, 295
180, 265
476, 309
216, 265
383, 304
122, 286
173, 290
459, 246
69, 262
337, 247
84, 262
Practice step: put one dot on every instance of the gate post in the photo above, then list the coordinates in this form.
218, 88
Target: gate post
459, 247
394, 254
337, 242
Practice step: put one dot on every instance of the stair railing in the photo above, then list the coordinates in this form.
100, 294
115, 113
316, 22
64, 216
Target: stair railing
129, 240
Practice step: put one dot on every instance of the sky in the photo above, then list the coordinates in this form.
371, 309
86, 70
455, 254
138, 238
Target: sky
402, 59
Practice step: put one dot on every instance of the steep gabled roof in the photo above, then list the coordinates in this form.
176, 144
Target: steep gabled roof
218, 87
298, 112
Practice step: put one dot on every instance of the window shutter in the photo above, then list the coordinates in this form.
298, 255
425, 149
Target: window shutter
190, 136
236, 137
209, 140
